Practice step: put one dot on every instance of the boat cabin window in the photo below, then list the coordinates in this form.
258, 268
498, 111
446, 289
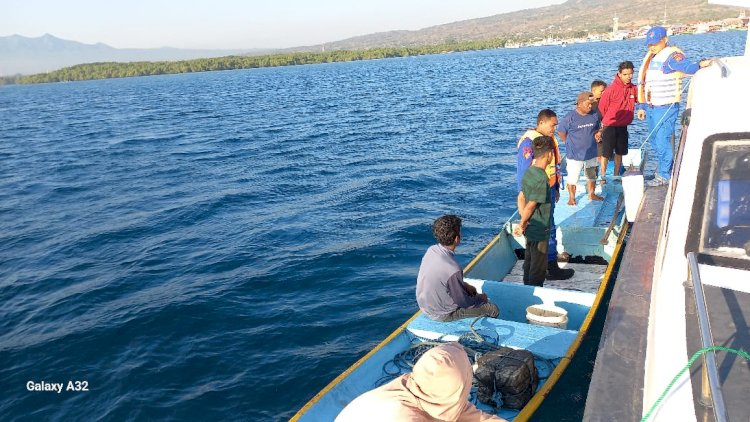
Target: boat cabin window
720, 222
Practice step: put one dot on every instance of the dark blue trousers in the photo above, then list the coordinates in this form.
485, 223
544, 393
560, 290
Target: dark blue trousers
552, 249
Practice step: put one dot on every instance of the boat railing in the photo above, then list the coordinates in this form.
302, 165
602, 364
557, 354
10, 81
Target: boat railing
711, 395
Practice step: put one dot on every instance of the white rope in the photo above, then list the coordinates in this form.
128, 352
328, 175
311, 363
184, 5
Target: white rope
687, 83
510, 220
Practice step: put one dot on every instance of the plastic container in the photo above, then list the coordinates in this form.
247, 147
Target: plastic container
633, 158
632, 188
547, 315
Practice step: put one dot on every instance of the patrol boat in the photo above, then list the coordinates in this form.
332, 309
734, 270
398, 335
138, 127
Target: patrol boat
592, 232
675, 341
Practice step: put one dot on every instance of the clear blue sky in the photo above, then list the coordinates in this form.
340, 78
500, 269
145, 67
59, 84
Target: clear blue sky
235, 23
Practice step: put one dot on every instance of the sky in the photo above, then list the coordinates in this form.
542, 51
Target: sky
235, 24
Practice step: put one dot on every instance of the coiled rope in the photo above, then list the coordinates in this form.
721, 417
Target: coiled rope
474, 343
695, 357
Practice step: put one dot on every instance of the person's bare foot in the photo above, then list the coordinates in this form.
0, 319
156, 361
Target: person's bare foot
595, 197
603, 181
572, 201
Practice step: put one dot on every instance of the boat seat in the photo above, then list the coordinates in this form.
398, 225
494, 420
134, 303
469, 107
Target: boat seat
542, 341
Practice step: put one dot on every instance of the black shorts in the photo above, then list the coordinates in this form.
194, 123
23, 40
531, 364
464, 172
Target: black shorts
614, 139
600, 151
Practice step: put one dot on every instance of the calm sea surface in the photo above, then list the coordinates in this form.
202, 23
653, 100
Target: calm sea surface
222, 245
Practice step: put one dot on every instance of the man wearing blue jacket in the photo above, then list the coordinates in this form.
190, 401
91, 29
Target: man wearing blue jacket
659, 95
546, 124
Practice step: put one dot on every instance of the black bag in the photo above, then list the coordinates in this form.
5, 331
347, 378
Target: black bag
511, 373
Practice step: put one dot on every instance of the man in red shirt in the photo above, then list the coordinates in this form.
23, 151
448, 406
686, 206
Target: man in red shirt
617, 107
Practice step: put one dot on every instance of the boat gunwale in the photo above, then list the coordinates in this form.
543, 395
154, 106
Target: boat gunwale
352, 368
541, 394
537, 399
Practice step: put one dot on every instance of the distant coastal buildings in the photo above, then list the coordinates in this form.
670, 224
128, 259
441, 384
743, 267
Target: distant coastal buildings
738, 23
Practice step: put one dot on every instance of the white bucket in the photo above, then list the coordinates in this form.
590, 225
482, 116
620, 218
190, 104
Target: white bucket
632, 188
633, 158
547, 315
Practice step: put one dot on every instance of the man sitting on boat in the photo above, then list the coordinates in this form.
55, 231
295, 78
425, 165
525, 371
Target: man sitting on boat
437, 389
442, 293
546, 123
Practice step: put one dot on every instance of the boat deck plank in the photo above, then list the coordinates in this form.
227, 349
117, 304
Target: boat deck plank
587, 277
587, 213
616, 389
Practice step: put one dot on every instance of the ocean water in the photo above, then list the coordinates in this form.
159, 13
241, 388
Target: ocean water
221, 245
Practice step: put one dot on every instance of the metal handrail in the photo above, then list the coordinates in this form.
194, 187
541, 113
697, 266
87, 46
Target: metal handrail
711, 395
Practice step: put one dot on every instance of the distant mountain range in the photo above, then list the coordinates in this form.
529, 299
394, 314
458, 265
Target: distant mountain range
23, 55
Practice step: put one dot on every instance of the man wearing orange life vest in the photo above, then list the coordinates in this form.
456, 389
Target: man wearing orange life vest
546, 123
659, 94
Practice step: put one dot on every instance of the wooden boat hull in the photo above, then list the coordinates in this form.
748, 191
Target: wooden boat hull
554, 347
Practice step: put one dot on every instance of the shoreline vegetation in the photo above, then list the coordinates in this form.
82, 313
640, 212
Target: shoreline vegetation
107, 70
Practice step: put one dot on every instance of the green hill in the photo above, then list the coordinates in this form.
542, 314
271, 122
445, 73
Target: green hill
572, 18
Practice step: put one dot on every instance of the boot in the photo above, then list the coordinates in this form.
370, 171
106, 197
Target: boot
554, 272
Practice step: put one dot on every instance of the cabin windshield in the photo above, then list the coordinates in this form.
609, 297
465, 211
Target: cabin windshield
726, 214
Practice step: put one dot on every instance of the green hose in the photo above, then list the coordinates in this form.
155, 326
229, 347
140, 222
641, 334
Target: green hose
695, 356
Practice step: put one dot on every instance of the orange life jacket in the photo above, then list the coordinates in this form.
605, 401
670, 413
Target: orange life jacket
552, 170
656, 87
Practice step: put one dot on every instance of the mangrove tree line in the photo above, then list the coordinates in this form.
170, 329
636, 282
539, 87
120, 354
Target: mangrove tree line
123, 70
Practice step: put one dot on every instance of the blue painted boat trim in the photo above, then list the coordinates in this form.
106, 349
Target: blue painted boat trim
544, 342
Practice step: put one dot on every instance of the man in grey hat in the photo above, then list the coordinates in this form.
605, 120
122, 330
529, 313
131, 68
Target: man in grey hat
579, 129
